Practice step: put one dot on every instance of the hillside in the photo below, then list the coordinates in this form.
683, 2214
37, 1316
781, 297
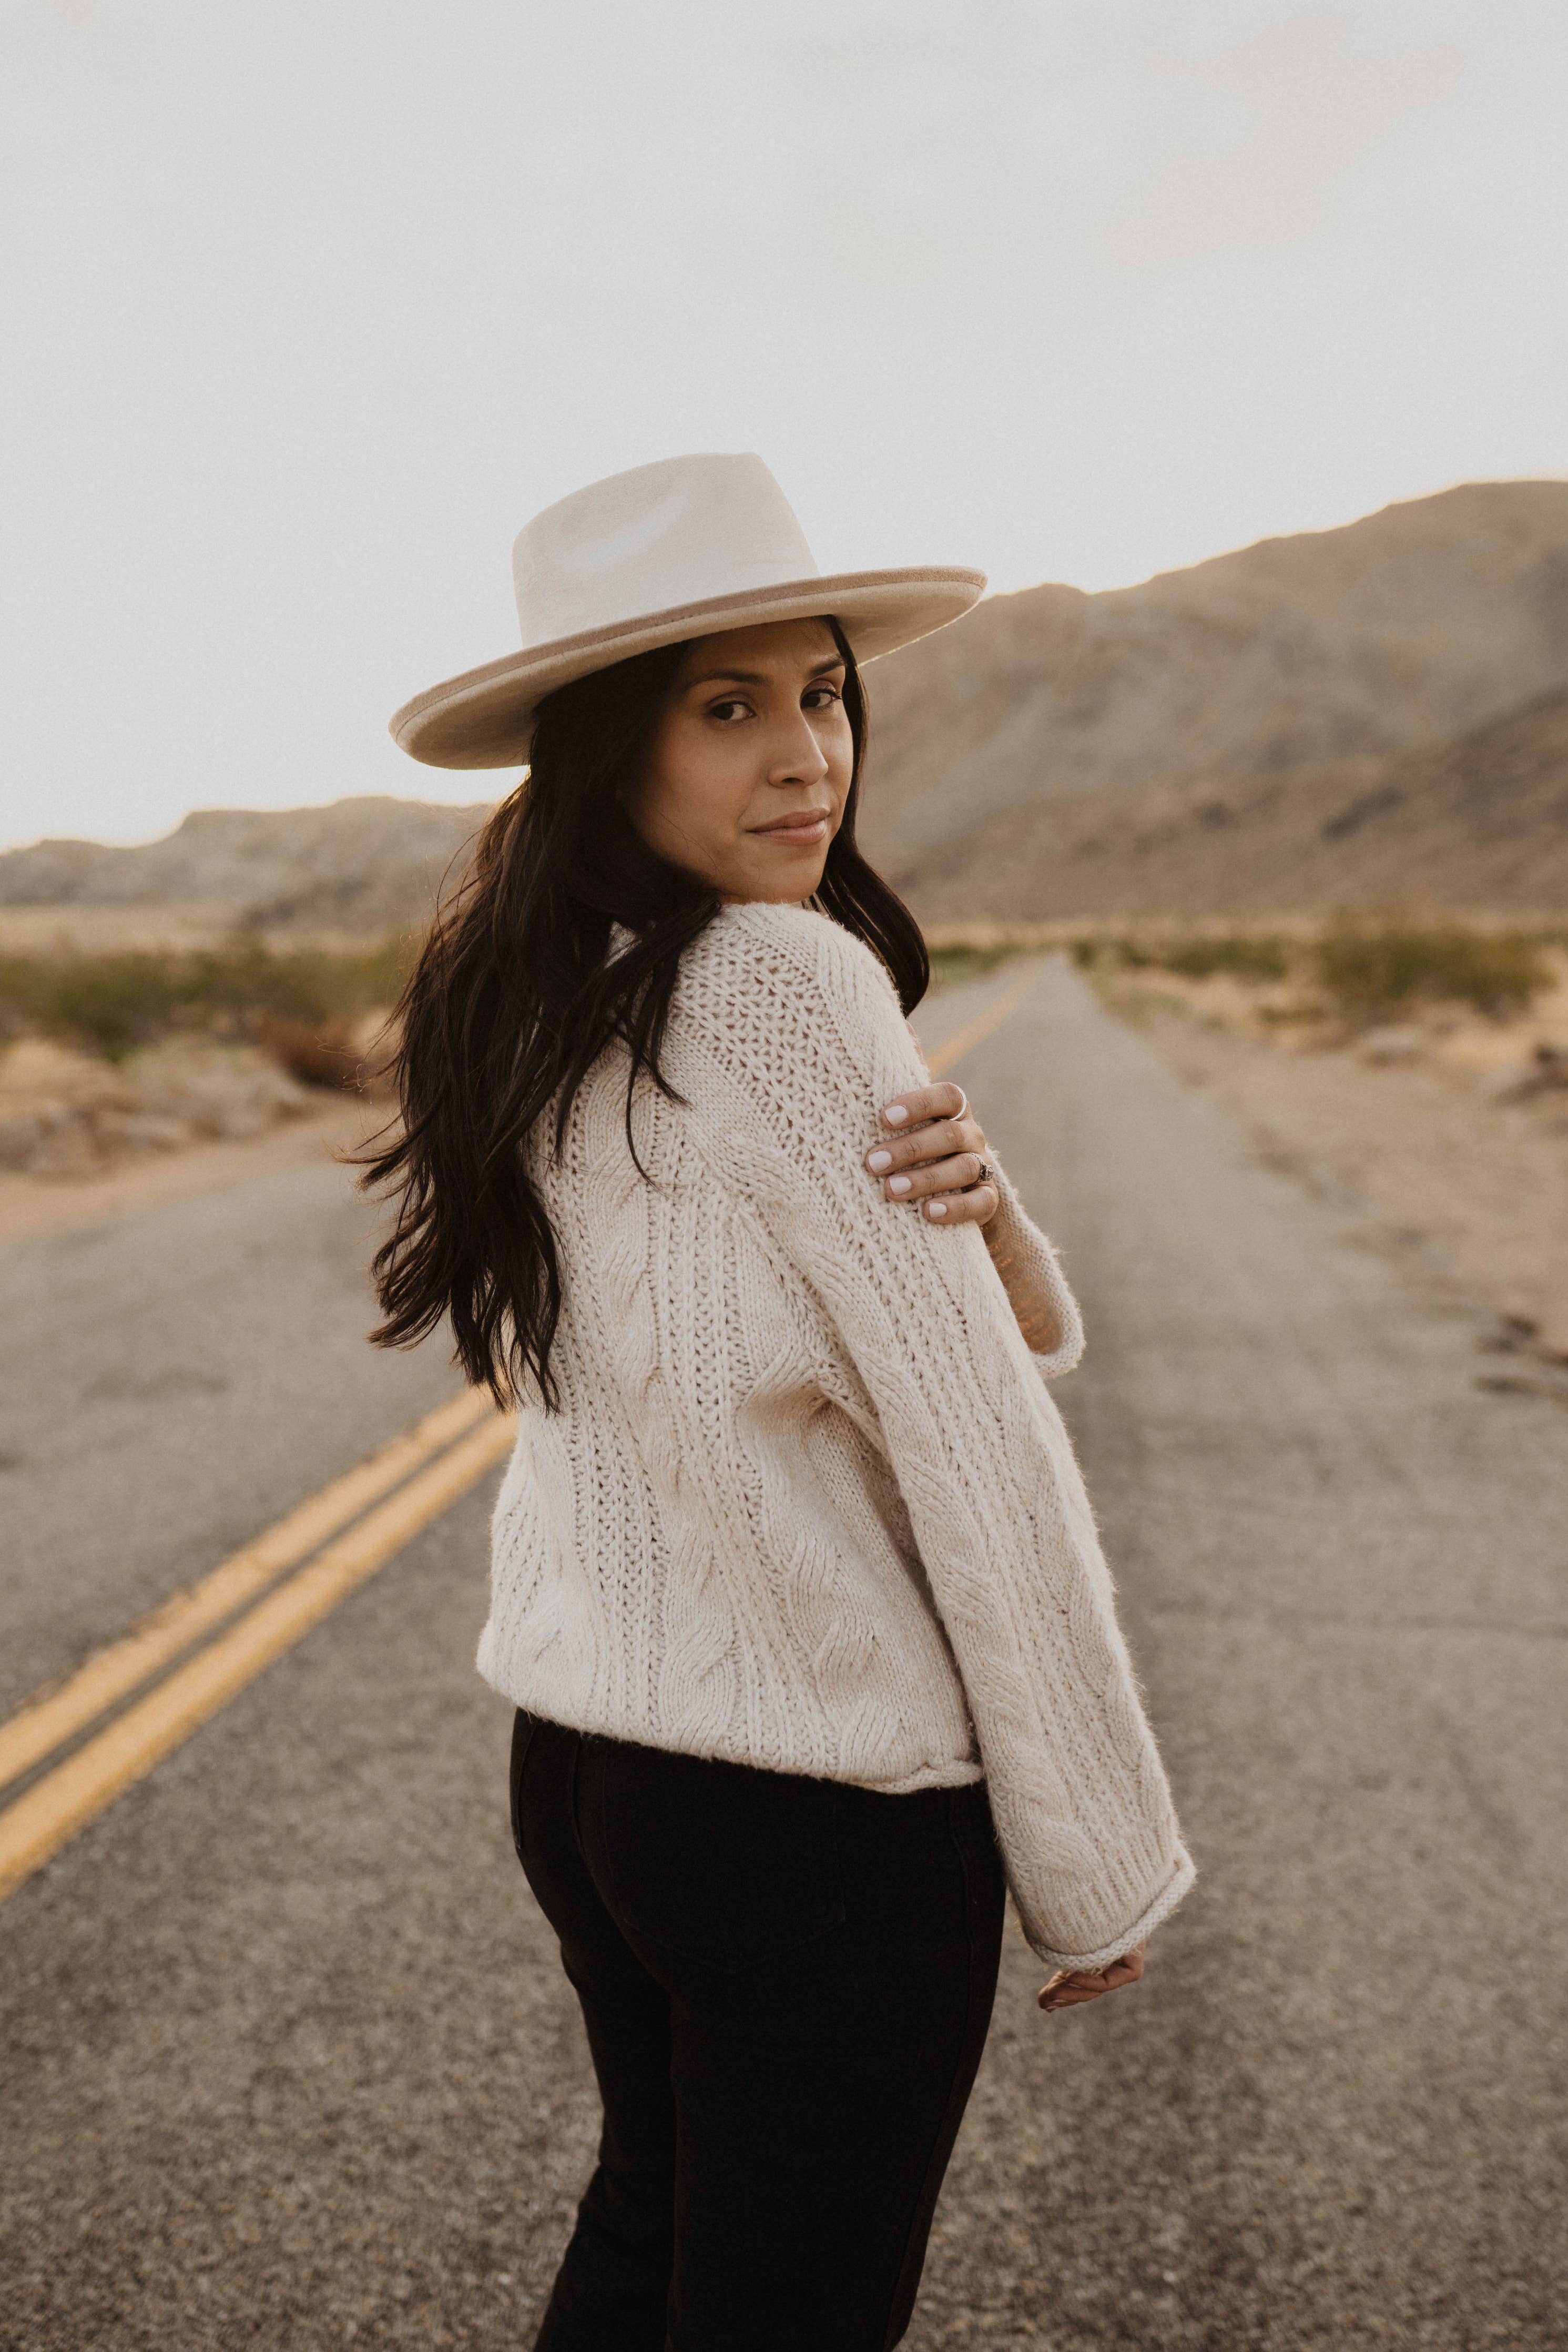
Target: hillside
1476, 825
366, 864
1360, 716
1035, 757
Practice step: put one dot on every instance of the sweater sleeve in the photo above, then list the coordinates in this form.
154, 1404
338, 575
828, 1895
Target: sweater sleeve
1028, 1265
806, 1031
1015, 1242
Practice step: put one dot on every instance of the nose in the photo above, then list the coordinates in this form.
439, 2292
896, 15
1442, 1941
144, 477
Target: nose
799, 758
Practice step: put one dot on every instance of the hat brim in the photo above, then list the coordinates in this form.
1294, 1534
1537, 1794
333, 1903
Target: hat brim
484, 719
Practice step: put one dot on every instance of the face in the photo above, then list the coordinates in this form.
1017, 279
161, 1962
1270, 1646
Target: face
746, 774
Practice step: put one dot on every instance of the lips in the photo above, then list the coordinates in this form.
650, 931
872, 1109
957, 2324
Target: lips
803, 825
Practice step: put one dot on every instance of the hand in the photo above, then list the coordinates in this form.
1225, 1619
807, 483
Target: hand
1070, 1987
933, 1153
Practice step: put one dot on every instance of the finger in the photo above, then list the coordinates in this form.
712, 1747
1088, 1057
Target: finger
977, 1206
951, 1175
1072, 1984
1072, 1997
942, 1135
1070, 1988
939, 1140
1069, 1996
942, 1100
1089, 1984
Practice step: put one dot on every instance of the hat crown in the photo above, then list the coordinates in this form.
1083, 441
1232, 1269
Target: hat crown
652, 539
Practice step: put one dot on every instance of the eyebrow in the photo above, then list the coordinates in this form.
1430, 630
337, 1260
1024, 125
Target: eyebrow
758, 677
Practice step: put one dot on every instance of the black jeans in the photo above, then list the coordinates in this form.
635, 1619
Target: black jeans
786, 1985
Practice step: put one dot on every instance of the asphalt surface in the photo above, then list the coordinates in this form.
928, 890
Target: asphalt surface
288, 2060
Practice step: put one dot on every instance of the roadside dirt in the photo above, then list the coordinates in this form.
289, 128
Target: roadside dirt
300, 1125
56, 1204
1475, 1182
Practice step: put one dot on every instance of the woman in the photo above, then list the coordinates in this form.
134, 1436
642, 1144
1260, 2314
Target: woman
796, 1587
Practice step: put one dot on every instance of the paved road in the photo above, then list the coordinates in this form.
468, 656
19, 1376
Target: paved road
288, 2060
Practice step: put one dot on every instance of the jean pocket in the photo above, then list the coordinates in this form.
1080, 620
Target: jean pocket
719, 1863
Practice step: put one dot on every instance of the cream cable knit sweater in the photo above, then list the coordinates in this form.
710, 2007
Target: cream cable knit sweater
808, 1503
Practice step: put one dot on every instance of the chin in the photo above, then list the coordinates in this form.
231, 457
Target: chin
799, 877
787, 890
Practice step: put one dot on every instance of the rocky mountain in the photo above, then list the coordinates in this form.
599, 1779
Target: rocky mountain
1476, 825
369, 865
1368, 716
1058, 753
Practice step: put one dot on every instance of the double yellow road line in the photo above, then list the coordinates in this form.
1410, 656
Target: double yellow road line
253, 1606
975, 1033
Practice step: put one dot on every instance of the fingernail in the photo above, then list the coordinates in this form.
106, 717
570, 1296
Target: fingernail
938, 1208
879, 1161
897, 1183
895, 1114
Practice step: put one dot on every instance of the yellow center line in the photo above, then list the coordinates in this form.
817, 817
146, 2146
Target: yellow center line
66, 1800
973, 1033
41, 1725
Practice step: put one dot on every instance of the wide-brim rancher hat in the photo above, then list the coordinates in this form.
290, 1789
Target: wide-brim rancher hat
652, 557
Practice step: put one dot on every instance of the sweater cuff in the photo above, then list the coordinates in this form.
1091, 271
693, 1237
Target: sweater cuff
1163, 1903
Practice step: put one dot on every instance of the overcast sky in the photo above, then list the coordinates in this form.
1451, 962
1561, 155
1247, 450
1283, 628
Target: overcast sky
307, 305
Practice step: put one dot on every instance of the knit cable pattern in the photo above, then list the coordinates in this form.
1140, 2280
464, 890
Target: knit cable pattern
808, 1503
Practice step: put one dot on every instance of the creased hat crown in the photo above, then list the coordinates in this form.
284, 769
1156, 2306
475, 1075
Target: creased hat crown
674, 533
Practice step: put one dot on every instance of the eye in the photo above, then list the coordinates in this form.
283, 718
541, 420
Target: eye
729, 710
821, 698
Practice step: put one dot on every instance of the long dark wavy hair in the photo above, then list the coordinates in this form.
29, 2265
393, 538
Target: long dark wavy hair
516, 995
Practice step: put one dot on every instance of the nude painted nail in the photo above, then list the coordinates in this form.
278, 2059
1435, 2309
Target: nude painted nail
898, 1183
895, 1114
938, 1208
879, 1161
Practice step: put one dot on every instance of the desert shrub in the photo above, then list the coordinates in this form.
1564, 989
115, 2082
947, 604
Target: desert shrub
112, 1003
956, 964
1372, 969
1135, 954
22, 994
108, 1002
317, 1053
1248, 955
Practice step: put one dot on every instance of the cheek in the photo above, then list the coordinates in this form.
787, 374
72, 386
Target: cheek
839, 748
692, 788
